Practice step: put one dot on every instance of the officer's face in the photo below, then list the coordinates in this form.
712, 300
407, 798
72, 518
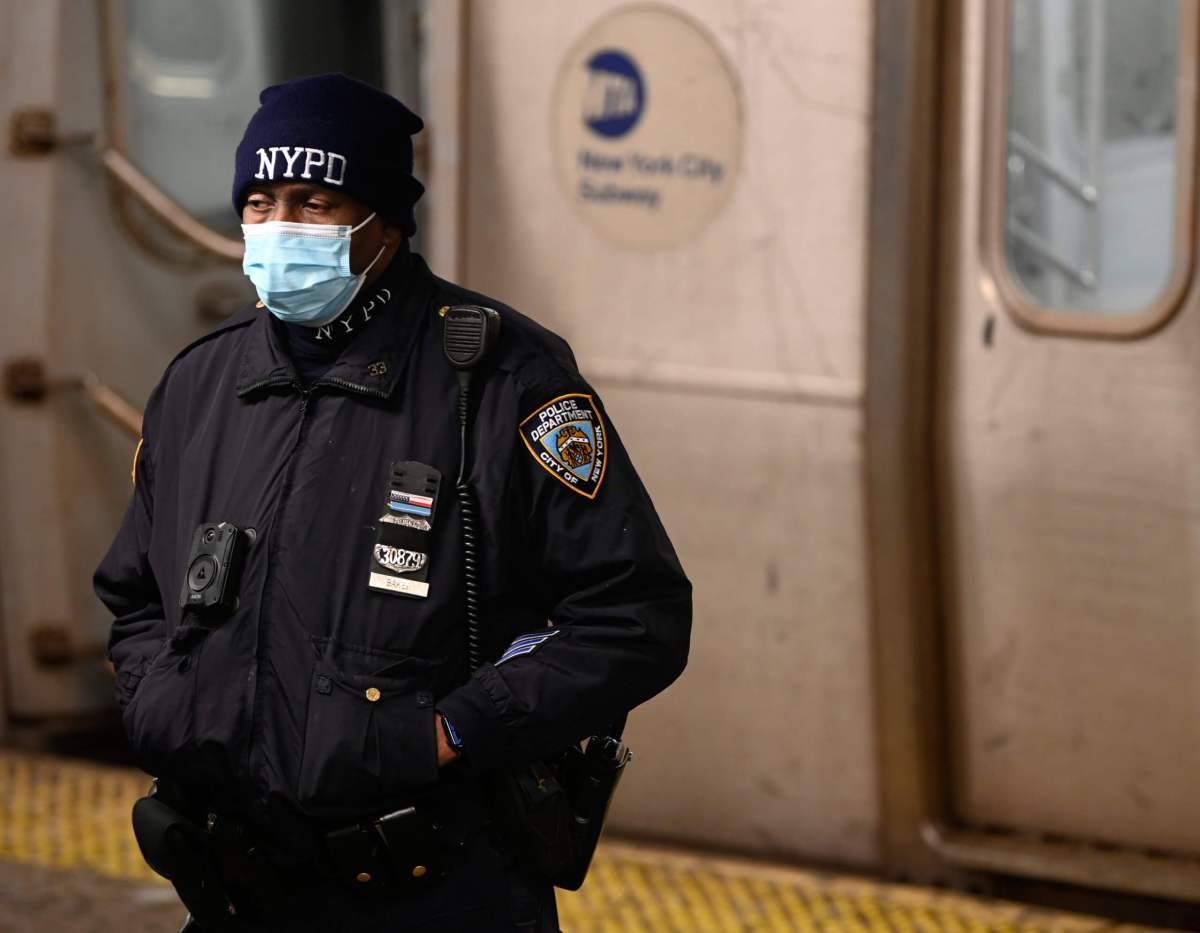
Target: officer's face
298, 202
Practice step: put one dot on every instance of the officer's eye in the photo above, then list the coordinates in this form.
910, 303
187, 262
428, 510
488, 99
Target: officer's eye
316, 206
259, 203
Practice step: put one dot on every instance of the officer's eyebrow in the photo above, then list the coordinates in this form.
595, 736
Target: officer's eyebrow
297, 192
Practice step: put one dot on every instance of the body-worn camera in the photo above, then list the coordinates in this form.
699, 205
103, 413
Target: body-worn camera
214, 567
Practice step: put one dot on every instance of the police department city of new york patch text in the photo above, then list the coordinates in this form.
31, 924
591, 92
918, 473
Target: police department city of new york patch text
566, 436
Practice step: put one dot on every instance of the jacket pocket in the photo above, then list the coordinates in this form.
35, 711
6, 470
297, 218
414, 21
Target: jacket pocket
159, 719
368, 737
130, 676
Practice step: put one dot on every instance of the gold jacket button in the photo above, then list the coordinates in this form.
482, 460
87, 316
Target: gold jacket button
373, 694
419, 871
362, 877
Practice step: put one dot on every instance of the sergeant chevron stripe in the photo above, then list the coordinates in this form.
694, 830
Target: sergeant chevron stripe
527, 644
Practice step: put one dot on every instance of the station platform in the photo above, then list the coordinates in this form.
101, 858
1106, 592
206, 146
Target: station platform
68, 862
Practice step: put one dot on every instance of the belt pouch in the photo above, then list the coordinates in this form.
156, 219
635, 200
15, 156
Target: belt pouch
176, 848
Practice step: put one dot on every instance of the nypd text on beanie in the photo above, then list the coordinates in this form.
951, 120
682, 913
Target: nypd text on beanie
335, 131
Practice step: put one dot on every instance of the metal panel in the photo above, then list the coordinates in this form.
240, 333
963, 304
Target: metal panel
445, 83
764, 744
38, 588
736, 357
899, 469
104, 308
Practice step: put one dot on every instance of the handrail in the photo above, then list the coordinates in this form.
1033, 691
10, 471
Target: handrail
1084, 278
1086, 191
166, 209
26, 380
120, 412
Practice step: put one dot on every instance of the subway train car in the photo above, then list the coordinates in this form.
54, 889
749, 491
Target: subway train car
894, 304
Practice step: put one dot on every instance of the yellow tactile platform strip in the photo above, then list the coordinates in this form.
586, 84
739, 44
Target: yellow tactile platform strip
71, 814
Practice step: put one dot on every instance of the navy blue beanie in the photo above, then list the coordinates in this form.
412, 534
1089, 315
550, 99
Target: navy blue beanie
334, 131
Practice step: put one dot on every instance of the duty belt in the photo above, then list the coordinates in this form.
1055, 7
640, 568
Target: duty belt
260, 864
409, 847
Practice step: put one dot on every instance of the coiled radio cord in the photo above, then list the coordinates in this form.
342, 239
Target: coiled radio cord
470, 528
469, 332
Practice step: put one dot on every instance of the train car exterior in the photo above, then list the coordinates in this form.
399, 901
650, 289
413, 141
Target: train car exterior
893, 304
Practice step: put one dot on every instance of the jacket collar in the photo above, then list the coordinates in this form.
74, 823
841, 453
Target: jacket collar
373, 361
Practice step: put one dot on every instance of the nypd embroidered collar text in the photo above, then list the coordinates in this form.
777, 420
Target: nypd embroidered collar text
566, 436
357, 317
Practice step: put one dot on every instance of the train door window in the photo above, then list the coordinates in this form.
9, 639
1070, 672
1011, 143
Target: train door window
190, 74
1093, 184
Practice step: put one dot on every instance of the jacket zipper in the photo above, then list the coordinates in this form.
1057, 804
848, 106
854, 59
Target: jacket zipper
353, 386
324, 381
264, 606
263, 613
270, 381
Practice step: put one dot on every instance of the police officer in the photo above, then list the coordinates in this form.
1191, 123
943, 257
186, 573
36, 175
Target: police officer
302, 730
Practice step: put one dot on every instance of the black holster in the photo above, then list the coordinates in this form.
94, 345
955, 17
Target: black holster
179, 850
554, 812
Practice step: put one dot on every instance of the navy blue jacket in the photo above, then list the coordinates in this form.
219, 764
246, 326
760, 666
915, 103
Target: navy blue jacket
319, 691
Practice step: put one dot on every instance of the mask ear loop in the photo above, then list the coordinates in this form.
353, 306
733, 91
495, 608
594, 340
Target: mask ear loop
354, 230
373, 261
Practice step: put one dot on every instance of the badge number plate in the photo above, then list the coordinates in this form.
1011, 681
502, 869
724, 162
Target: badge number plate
400, 554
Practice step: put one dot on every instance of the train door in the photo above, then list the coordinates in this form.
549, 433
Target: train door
108, 281
1067, 426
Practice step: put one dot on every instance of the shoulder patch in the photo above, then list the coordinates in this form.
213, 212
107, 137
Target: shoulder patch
566, 436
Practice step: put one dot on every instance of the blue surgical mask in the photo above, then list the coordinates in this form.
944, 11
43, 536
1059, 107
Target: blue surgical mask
302, 271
